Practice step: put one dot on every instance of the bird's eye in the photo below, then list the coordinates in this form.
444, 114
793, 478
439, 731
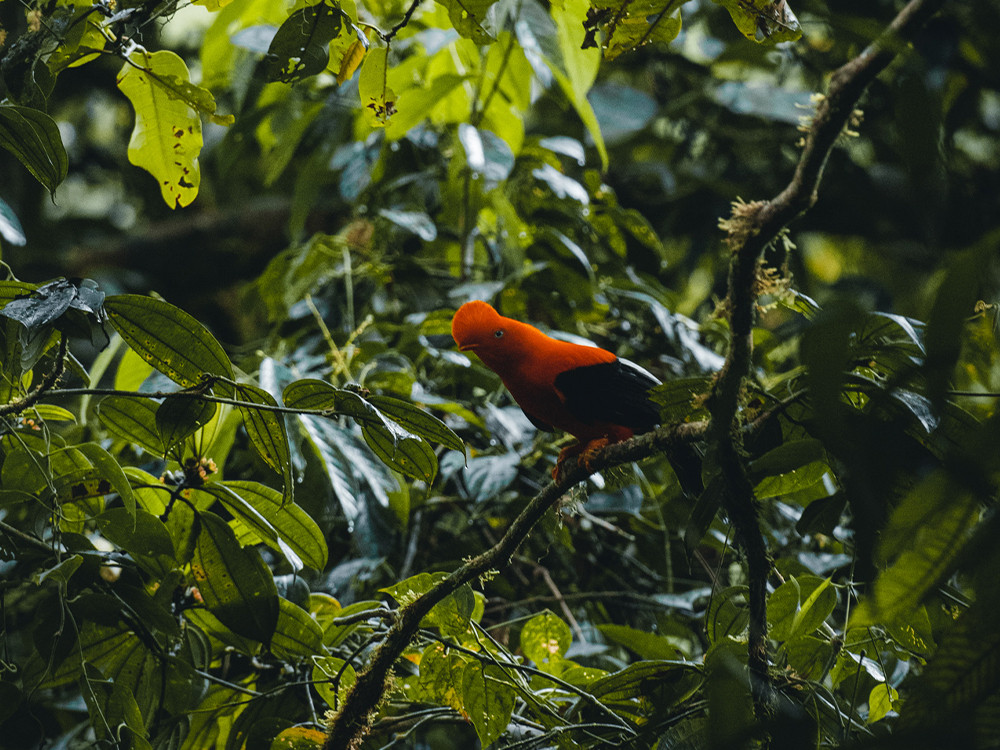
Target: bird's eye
499, 333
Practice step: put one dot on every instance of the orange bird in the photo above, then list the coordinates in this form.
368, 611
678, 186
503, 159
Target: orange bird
586, 391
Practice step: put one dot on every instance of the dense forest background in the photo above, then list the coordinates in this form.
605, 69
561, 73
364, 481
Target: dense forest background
252, 496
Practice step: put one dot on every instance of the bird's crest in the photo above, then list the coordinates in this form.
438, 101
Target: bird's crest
473, 318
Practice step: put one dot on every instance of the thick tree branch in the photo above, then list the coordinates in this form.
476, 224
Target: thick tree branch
752, 228
351, 722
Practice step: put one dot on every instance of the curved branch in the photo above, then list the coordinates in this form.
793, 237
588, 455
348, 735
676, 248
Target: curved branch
49, 381
752, 228
351, 722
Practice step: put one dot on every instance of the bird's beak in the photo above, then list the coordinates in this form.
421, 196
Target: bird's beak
466, 347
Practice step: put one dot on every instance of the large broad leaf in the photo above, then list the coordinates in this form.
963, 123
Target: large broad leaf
488, 698
647, 687
963, 673
166, 140
266, 429
234, 583
111, 471
301, 47
545, 639
181, 416
297, 634
133, 420
33, 137
171, 340
799, 606
294, 526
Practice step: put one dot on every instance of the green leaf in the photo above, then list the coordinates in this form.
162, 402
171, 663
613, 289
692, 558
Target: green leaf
112, 704
108, 468
333, 678
808, 655
266, 430
955, 300
727, 614
545, 639
469, 18
294, 526
800, 606
488, 698
441, 676
33, 137
451, 615
297, 634
144, 536
881, 701
301, 46
924, 537
378, 101
166, 140
171, 340
61, 572
234, 583
310, 393
647, 687
133, 420
645, 21
766, 21
962, 674
408, 455
646, 645
181, 416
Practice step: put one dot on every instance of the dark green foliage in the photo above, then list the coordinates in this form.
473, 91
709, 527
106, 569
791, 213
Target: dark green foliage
215, 503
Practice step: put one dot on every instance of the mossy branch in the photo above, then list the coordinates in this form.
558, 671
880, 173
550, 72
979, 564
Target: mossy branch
751, 229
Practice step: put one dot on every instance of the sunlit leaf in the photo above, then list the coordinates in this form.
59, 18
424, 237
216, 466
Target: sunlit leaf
166, 140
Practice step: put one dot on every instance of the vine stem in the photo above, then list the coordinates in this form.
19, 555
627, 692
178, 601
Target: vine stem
751, 229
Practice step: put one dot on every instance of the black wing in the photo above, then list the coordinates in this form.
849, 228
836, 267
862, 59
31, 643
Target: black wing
616, 392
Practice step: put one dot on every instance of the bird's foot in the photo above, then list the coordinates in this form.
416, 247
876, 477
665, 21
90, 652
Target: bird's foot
586, 451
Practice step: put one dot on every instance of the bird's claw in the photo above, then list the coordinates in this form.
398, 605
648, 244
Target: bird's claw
586, 451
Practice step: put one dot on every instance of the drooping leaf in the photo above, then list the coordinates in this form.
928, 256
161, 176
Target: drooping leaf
181, 416
766, 21
266, 430
33, 137
378, 101
297, 530
166, 140
488, 699
133, 420
234, 583
300, 48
